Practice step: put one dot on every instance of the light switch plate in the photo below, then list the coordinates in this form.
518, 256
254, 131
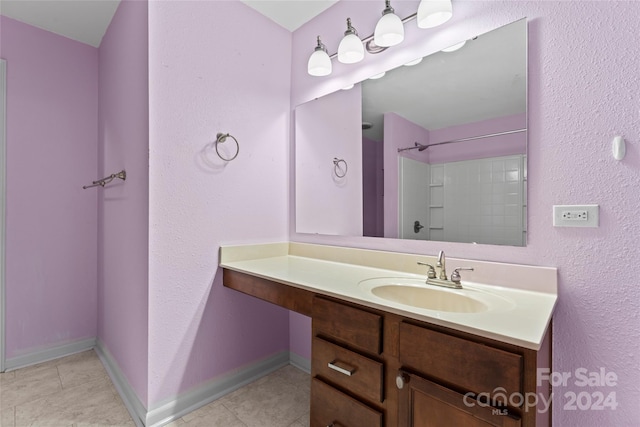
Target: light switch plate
576, 216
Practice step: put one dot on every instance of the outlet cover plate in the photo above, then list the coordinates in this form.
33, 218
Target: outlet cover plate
576, 216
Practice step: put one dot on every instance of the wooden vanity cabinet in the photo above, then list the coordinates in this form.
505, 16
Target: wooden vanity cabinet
373, 368
347, 388
442, 375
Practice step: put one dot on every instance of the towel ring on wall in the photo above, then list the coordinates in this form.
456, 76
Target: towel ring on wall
104, 181
336, 167
221, 138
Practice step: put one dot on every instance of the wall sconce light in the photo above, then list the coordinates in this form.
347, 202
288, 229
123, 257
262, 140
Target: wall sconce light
350, 49
319, 62
389, 29
389, 32
432, 13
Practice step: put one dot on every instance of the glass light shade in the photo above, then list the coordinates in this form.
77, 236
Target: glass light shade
414, 62
454, 47
319, 63
389, 30
350, 49
432, 13
377, 76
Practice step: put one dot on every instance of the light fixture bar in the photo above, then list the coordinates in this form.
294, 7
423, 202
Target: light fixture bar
368, 41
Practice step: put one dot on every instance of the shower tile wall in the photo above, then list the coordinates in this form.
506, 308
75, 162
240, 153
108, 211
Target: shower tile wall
480, 201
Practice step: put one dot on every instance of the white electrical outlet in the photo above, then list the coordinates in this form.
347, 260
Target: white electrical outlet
576, 215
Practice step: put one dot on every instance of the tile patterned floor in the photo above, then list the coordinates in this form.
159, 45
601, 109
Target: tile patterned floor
75, 391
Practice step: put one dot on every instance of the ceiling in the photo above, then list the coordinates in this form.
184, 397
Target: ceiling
87, 20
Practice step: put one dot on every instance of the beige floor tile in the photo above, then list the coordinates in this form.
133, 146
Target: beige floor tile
29, 384
293, 375
8, 417
4, 376
271, 401
214, 414
92, 403
80, 368
303, 421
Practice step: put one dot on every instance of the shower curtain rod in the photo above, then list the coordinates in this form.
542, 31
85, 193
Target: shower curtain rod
423, 147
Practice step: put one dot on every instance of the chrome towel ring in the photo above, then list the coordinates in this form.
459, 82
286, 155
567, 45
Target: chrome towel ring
220, 139
104, 181
336, 167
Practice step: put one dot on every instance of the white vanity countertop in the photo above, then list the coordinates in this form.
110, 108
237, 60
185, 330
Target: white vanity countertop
335, 271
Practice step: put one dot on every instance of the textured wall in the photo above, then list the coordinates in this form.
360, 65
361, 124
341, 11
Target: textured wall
52, 103
124, 206
583, 89
213, 67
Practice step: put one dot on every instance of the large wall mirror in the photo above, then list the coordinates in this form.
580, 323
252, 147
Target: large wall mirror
433, 150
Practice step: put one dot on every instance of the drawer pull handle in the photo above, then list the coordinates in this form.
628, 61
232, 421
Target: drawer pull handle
347, 370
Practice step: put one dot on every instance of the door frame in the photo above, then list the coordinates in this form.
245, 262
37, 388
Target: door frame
3, 172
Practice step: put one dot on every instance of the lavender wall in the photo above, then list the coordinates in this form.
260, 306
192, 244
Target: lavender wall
583, 90
319, 188
123, 140
372, 188
495, 146
398, 133
213, 67
52, 102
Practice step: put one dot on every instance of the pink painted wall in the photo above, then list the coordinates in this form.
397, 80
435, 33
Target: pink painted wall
495, 146
398, 133
583, 90
52, 104
213, 67
123, 226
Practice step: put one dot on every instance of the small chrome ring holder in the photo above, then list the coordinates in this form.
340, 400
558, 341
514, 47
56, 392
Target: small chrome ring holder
336, 167
221, 138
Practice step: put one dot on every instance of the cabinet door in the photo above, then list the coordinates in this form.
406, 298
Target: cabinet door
330, 407
423, 403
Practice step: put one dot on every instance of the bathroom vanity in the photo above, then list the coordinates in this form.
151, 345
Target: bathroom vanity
379, 362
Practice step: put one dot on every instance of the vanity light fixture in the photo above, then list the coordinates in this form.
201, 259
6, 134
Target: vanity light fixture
432, 13
389, 29
350, 49
389, 32
414, 62
378, 76
348, 87
319, 62
454, 47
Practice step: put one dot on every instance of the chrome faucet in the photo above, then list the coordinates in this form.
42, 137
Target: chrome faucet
442, 279
441, 265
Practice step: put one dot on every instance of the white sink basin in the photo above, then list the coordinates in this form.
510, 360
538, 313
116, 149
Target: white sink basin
416, 293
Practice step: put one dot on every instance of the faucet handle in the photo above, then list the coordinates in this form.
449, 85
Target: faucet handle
455, 276
431, 274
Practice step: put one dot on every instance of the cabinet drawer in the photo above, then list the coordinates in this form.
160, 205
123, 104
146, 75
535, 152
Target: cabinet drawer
468, 365
332, 407
355, 328
351, 371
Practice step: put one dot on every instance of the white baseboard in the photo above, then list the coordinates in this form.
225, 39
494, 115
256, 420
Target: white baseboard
300, 362
49, 354
171, 410
135, 407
